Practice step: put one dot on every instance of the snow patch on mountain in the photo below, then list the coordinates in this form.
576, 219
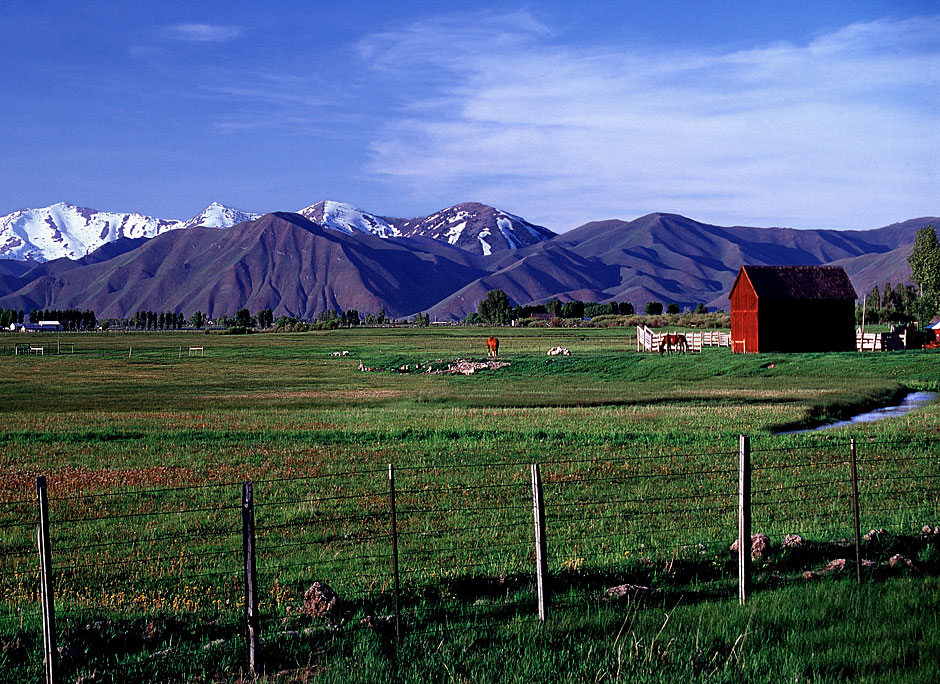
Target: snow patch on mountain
219, 216
348, 219
65, 230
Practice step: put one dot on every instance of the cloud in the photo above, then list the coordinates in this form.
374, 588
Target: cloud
202, 33
836, 132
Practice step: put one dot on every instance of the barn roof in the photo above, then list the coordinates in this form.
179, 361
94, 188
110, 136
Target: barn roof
798, 282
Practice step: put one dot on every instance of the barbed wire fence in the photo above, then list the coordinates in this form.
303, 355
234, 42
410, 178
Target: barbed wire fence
236, 574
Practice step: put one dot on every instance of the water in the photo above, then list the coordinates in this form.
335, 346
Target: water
911, 402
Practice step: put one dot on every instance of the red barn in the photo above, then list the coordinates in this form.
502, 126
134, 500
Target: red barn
792, 309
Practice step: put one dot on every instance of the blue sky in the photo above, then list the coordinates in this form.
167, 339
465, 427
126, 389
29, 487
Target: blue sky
734, 113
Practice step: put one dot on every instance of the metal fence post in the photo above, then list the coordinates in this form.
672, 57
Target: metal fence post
394, 531
45, 563
541, 542
252, 622
858, 531
744, 518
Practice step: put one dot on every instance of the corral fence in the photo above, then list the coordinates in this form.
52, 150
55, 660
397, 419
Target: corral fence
129, 579
649, 341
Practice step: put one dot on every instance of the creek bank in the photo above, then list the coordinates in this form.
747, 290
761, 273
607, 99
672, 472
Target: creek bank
900, 404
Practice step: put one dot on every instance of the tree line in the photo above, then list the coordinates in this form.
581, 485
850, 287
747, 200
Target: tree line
497, 309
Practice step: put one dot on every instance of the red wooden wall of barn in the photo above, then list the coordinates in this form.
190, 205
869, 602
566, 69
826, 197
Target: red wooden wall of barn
744, 316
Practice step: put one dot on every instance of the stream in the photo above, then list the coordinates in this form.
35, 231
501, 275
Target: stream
911, 402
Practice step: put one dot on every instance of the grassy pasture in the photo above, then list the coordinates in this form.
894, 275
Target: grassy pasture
638, 459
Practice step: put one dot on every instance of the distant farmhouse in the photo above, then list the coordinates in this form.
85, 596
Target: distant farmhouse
792, 309
41, 326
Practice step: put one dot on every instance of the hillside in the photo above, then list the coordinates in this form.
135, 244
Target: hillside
299, 267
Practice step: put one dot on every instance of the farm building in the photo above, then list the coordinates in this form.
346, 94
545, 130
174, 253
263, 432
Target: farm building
792, 309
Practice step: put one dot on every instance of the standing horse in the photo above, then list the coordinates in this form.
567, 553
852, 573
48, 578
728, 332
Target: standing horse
492, 346
670, 343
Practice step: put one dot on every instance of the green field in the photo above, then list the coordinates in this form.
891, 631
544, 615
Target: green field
146, 448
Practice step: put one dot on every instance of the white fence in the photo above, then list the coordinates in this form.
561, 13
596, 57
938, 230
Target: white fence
647, 340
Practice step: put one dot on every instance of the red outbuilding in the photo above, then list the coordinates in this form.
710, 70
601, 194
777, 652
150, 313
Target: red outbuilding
792, 309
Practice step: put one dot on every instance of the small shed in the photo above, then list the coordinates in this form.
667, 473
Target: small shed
792, 309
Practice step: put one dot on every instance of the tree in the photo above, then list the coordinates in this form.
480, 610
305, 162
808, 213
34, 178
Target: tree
244, 319
625, 309
265, 318
672, 308
654, 308
198, 319
573, 309
925, 268
495, 307
700, 308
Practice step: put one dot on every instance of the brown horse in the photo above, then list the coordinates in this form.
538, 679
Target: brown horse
671, 343
492, 346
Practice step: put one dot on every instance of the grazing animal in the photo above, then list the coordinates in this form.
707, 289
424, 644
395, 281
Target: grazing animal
492, 346
671, 343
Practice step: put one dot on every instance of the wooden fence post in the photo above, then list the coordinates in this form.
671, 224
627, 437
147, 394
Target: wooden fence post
50, 653
395, 573
858, 531
541, 542
252, 622
744, 518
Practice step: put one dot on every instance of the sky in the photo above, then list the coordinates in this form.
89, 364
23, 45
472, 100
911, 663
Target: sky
762, 113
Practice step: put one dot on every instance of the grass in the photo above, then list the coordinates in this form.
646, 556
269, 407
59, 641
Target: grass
145, 453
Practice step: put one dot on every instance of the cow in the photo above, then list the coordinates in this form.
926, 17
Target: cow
492, 346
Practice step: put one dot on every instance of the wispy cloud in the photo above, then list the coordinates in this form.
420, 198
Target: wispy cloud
202, 33
839, 131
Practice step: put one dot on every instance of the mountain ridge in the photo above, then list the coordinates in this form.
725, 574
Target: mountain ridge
299, 267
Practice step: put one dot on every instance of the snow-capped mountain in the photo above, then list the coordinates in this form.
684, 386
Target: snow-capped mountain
476, 228
471, 226
219, 216
348, 219
64, 230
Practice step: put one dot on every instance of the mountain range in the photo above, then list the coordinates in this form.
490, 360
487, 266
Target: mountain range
331, 255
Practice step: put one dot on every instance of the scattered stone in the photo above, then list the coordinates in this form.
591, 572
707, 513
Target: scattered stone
810, 575
836, 565
792, 541
899, 561
558, 351
92, 677
623, 591
928, 532
320, 600
760, 546
467, 367
213, 644
875, 535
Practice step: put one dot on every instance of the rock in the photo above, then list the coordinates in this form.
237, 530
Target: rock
836, 565
91, 678
901, 562
760, 546
792, 541
558, 351
213, 644
929, 533
320, 600
875, 535
623, 591
810, 575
